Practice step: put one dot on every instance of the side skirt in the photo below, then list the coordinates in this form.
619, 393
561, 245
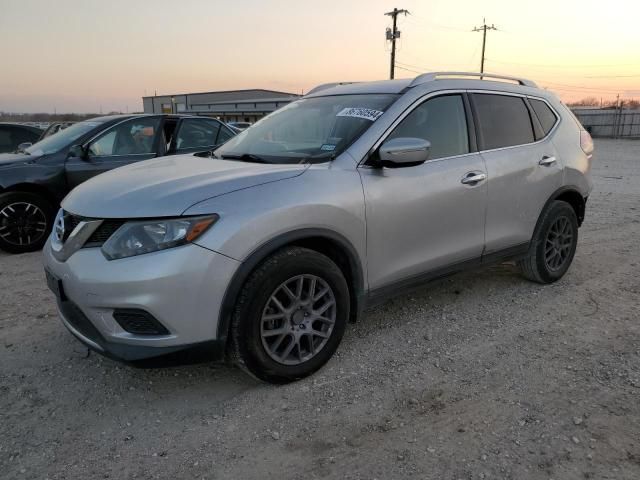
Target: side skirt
384, 293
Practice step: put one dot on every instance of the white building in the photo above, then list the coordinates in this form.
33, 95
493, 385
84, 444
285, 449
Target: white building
228, 106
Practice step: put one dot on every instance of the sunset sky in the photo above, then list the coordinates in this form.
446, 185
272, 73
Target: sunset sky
87, 55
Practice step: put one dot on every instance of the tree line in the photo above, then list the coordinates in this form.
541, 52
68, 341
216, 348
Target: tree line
599, 103
49, 117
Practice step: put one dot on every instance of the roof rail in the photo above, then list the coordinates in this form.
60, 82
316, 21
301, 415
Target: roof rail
431, 76
324, 86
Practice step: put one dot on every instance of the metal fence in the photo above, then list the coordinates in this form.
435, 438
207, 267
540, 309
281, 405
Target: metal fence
611, 122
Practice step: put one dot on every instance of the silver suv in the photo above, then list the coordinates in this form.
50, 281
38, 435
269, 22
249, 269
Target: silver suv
353, 193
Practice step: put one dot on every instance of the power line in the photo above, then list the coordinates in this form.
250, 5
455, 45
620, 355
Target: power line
404, 64
473, 56
432, 24
554, 85
392, 35
483, 29
578, 87
615, 76
409, 69
564, 65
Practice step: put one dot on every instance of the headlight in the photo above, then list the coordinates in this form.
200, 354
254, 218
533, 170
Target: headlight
145, 236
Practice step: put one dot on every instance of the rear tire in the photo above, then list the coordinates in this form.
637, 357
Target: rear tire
553, 245
25, 221
290, 316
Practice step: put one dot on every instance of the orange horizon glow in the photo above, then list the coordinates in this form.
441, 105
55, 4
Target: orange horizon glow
88, 56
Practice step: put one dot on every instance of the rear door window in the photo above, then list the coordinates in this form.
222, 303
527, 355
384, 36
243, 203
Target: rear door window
224, 135
197, 133
6, 139
504, 121
544, 113
441, 121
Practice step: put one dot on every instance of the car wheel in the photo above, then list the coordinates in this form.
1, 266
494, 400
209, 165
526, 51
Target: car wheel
25, 222
553, 245
290, 316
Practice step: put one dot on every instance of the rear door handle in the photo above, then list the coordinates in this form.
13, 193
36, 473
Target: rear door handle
473, 178
547, 161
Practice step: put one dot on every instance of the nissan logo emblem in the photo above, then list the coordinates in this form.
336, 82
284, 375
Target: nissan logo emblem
58, 227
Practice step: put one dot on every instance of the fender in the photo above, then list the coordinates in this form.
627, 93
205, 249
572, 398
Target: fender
45, 177
267, 248
567, 189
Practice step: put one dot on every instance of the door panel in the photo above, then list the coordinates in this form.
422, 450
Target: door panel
422, 218
518, 189
426, 217
519, 185
127, 142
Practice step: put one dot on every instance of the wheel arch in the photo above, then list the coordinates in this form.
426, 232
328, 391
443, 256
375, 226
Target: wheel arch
33, 188
569, 194
573, 197
327, 242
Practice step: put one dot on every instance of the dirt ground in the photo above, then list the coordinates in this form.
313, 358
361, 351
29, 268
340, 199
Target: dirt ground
481, 376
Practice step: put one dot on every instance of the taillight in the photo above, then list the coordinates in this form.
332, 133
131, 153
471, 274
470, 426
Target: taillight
586, 142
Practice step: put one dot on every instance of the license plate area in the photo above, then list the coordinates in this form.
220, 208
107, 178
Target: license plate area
55, 285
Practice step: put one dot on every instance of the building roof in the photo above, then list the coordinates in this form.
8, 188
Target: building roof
231, 95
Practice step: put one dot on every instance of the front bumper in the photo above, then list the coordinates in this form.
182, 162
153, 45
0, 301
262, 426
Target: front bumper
182, 288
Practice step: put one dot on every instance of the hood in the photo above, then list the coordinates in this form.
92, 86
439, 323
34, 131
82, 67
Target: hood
164, 187
9, 158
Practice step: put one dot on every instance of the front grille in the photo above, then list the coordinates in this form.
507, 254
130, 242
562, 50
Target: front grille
103, 233
139, 322
97, 239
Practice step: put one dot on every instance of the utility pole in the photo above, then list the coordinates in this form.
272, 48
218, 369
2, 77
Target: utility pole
483, 29
392, 34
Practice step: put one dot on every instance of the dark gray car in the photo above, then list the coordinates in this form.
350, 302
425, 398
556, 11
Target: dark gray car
14, 134
33, 182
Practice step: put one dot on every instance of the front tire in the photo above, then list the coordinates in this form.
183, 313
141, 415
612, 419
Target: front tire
553, 245
25, 222
290, 316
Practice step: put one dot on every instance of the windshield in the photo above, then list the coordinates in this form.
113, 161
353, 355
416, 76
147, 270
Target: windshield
64, 138
310, 129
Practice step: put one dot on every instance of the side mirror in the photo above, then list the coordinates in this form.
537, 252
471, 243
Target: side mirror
404, 152
77, 151
23, 146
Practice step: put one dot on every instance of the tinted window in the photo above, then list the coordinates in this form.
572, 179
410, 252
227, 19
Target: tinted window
6, 140
24, 135
195, 133
62, 139
442, 122
224, 135
544, 113
134, 137
504, 120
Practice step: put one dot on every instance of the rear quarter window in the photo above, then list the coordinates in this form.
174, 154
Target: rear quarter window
504, 121
546, 116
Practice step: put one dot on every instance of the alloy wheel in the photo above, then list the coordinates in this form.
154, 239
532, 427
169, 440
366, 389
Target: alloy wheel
298, 319
22, 223
558, 243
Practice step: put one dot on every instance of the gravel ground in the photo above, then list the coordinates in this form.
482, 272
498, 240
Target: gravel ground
480, 376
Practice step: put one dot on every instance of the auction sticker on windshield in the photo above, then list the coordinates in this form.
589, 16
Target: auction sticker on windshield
366, 113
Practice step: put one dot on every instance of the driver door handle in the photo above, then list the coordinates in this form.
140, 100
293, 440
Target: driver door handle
473, 178
547, 161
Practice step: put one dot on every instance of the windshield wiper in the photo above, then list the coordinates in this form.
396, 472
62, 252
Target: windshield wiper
245, 157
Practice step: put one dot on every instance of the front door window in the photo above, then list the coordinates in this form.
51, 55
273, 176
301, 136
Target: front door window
134, 137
